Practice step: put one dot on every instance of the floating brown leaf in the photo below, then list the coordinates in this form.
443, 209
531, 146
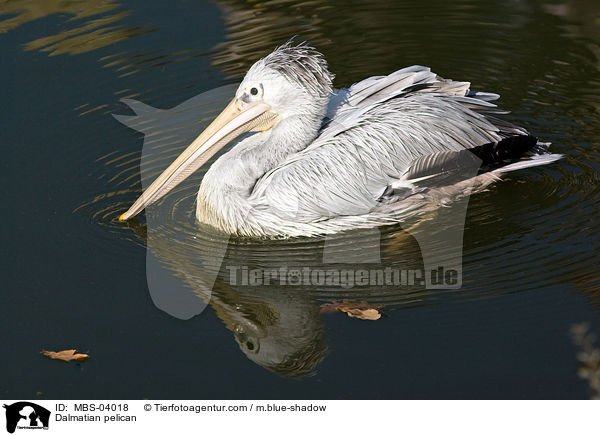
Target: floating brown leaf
368, 314
360, 310
65, 355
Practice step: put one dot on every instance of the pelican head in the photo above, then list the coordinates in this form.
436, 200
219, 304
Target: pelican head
290, 85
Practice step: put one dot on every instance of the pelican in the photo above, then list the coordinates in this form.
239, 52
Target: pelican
322, 161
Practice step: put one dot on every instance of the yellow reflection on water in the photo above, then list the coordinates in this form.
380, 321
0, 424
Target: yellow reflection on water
91, 34
24, 11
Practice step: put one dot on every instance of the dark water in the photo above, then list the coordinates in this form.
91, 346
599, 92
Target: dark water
76, 278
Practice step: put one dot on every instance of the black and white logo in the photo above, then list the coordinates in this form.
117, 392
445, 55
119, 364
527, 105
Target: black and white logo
26, 415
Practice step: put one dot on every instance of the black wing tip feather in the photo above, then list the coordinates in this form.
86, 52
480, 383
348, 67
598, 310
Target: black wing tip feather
506, 150
449, 167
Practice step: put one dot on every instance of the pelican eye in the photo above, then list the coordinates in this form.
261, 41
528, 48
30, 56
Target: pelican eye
253, 91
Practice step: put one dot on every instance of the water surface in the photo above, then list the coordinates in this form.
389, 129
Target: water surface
76, 277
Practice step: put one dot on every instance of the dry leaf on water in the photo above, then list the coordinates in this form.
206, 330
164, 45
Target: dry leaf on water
368, 314
354, 310
65, 355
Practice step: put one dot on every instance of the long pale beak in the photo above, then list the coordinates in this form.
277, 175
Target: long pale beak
232, 122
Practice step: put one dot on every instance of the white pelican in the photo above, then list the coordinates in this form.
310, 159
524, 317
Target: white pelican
326, 161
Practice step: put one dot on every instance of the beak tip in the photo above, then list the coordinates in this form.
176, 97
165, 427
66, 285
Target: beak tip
122, 218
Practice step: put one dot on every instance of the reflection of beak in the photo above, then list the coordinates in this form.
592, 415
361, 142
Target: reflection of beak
232, 122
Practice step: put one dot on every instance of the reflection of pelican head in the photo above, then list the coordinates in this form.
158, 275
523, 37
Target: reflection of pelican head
281, 331
276, 327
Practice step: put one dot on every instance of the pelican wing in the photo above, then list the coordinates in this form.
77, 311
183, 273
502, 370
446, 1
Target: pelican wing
379, 128
402, 82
